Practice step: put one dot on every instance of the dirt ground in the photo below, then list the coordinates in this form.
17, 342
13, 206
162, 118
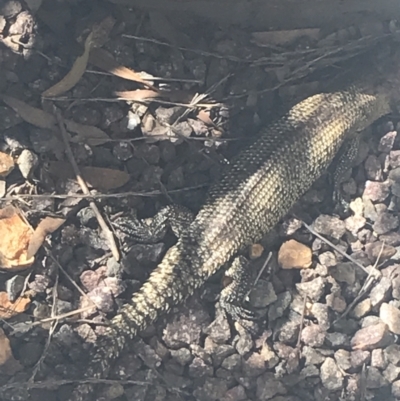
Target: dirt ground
153, 109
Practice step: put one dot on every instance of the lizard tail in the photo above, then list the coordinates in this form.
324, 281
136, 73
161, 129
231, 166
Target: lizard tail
169, 284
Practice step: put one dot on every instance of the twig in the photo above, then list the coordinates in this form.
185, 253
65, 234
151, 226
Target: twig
373, 275
99, 196
52, 329
348, 257
107, 232
303, 313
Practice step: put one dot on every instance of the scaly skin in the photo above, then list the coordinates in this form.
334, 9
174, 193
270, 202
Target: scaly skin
257, 190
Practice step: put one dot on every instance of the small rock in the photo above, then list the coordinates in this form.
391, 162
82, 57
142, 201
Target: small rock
357, 207
27, 163
269, 356
390, 315
199, 368
396, 288
344, 273
396, 389
385, 222
331, 376
219, 330
327, 259
387, 141
232, 363
330, 226
254, 365
312, 356
378, 358
290, 226
213, 389
337, 340
277, 309
182, 355
268, 386
289, 355
336, 302
381, 291
370, 212
313, 336
394, 157
186, 327
312, 289
361, 309
342, 358
392, 354
123, 151
355, 223
391, 373
373, 168
392, 238
262, 295
376, 191
244, 342
371, 337
379, 249
294, 255
102, 297
375, 379
321, 312
236, 393
358, 358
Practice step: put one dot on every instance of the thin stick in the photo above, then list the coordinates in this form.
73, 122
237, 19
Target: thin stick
107, 232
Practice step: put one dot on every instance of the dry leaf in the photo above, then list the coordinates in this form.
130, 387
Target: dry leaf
9, 309
90, 134
141, 95
8, 364
138, 95
86, 133
74, 75
6, 164
31, 115
204, 116
97, 177
280, 38
16, 235
105, 61
47, 226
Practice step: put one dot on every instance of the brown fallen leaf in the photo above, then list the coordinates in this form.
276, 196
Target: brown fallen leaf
74, 75
280, 38
89, 134
47, 226
31, 115
97, 177
138, 95
85, 133
8, 364
9, 309
6, 164
16, 235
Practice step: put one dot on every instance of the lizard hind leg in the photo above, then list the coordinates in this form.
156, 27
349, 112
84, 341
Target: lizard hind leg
341, 164
237, 285
174, 217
